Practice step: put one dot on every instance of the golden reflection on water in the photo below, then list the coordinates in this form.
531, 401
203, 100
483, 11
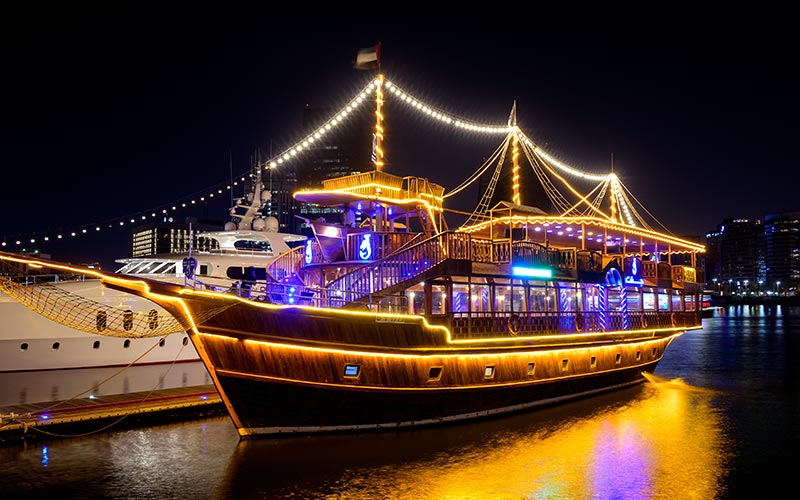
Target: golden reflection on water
666, 444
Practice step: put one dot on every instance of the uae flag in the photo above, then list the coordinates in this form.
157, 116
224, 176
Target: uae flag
369, 58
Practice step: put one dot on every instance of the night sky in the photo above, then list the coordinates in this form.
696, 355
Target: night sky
107, 114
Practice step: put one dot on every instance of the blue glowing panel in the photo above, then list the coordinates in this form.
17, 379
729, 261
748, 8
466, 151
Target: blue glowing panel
532, 272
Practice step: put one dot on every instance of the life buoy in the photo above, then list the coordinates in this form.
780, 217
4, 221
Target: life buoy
578, 322
514, 324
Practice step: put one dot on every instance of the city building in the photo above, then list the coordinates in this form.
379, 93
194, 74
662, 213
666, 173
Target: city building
754, 257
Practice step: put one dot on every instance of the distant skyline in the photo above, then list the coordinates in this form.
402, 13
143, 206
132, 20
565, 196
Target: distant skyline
109, 115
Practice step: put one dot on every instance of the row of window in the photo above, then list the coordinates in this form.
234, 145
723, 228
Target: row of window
96, 344
546, 297
353, 371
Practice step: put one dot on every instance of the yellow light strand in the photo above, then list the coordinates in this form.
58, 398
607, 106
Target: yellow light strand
515, 169
377, 149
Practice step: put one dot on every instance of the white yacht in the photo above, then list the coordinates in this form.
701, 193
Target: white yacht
232, 259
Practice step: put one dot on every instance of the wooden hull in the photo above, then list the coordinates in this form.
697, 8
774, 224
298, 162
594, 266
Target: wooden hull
267, 407
295, 370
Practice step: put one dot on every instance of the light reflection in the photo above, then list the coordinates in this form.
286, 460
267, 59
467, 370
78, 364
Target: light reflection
666, 446
661, 440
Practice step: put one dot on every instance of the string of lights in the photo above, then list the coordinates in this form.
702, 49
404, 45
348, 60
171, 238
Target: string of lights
291, 153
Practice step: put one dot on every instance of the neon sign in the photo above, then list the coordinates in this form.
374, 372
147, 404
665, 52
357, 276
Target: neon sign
634, 274
365, 248
309, 252
532, 272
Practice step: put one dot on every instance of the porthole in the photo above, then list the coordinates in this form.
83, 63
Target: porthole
96, 344
435, 373
488, 372
56, 346
185, 340
127, 343
23, 346
531, 368
162, 343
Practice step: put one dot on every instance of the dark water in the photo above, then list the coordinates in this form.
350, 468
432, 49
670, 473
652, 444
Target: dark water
720, 420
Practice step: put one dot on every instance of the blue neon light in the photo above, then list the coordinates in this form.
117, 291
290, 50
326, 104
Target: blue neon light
309, 254
532, 272
365, 248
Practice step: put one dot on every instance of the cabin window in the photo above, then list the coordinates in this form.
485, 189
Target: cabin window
479, 297
261, 246
502, 298
638, 355
591, 298
531, 368
653, 354
185, 340
439, 299
518, 298
352, 371
564, 365
539, 299
460, 298
690, 302
23, 346
676, 302
637, 301
618, 358
663, 301
96, 344
127, 343
615, 296
488, 372
435, 373
567, 300
416, 300
593, 362
56, 346
162, 343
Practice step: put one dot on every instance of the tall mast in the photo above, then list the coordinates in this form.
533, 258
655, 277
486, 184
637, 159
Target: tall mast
377, 136
512, 122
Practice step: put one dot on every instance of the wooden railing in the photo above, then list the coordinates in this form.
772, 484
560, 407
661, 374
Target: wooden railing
401, 266
505, 324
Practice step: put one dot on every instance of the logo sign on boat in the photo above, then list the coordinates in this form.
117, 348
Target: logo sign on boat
633, 272
309, 252
365, 247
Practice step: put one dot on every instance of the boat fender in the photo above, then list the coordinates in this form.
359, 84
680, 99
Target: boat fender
578, 322
644, 322
514, 324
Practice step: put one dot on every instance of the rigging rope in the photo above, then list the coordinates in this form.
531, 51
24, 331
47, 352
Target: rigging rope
77, 312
